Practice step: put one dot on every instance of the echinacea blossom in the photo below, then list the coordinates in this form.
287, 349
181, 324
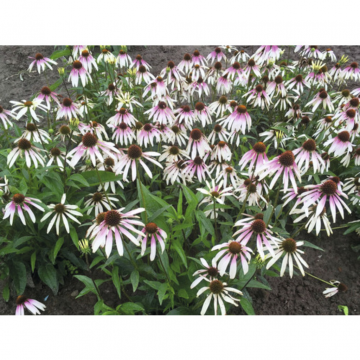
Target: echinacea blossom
87, 60
174, 172
198, 166
342, 97
134, 155
254, 157
220, 106
233, 252
292, 194
258, 97
138, 61
171, 72
228, 174
31, 153
123, 134
203, 113
99, 201
186, 63
240, 56
116, 225
77, 49
289, 247
209, 271
68, 109
198, 144
297, 83
352, 186
41, 62
34, 134
201, 87
305, 154
216, 55
221, 151
79, 71
161, 113
18, 205
125, 99
142, 74
47, 95
215, 193
251, 191
65, 132
276, 87
29, 107
351, 72
322, 97
349, 118
57, 157
198, 59
251, 67
267, 52
106, 56
220, 292
338, 287
123, 59
152, 233
184, 115
4, 117
61, 212
213, 73
32, 305
91, 148
122, 115
172, 153
111, 92
327, 190
283, 164
258, 229
147, 134
94, 128
233, 71
329, 53
177, 134
340, 144
313, 220
219, 132
223, 85
324, 124
109, 165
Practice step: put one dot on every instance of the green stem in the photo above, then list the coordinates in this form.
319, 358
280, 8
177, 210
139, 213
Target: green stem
316, 277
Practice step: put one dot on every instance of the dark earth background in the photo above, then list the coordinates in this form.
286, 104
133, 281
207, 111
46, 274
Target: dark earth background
297, 296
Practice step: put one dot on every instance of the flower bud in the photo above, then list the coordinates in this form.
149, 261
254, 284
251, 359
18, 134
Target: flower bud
61, 70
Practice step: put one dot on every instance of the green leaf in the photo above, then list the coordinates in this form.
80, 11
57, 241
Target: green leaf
18, 274
206, 223
154, 284
177, 246
79, 178
183, 294
157, 213
257, 284
116, 280
59, 53
55, 85
129, 308
309, 244
21, 240
344, 308
47, 274
6, 293
134, 277
267, 214
33, 261
74, 237
96, 261
57, 247
247, 306
180, 202
92, 177
161, 292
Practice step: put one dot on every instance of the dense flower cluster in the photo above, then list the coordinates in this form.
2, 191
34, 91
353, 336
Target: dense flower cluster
238, 128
